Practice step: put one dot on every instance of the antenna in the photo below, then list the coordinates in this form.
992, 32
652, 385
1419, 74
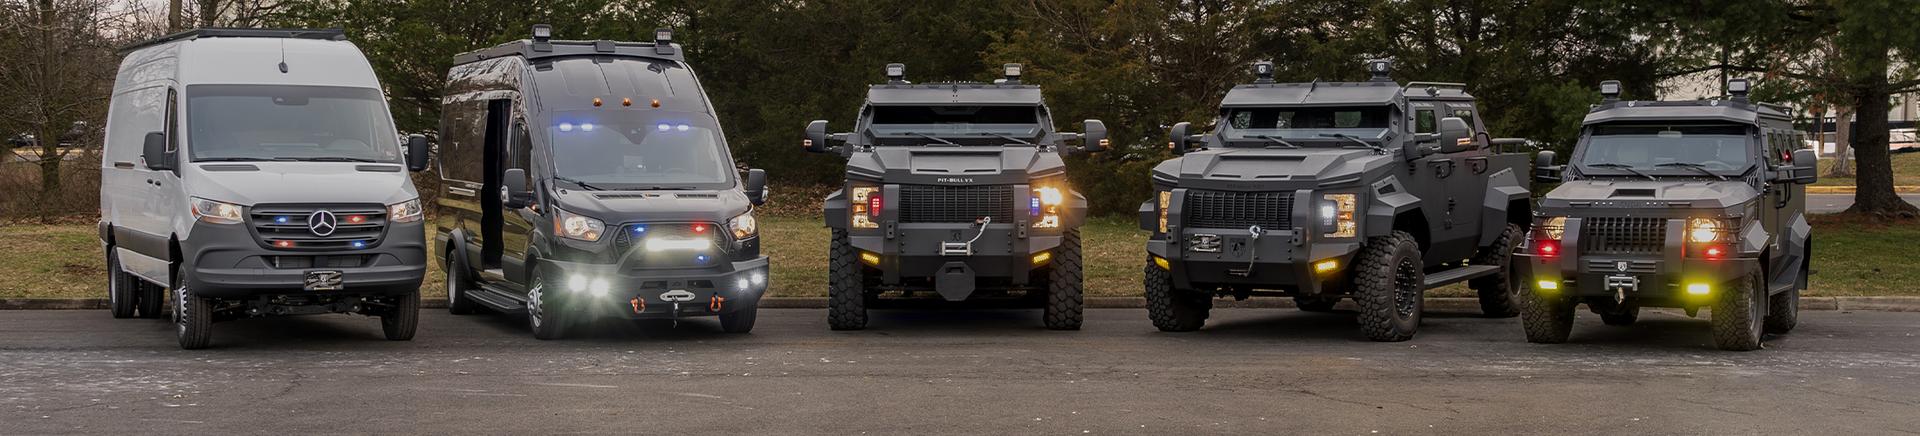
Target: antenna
283, 56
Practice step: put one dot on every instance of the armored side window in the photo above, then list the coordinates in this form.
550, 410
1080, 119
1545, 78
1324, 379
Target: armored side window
1423, 121
1464, 115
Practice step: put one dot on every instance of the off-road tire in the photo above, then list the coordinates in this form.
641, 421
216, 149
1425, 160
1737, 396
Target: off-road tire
741, 319
402, 319
1548, 319
1496, 290
457, 284
152, 300
1315, 304
545, 318
122, 288
1737, 315
1066, 301
1389, 283
1783, 311
192, 315
846, 285
1621, 318
1174, 310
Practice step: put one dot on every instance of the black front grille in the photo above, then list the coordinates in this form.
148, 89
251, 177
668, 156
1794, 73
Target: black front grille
632, 237
1238, 210
955, 204
287, 226
1623, 235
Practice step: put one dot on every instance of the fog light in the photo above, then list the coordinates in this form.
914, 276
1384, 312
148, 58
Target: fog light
759, 278
1547, 285
599, 287
1043, 257
577, 283
743, 283
1699, 289
870, 258
1326, 265
1162, 263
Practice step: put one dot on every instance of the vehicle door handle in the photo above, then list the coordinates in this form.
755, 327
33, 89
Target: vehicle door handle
123, 165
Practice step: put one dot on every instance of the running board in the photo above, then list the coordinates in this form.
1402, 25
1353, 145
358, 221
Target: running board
498, 299
1460, 274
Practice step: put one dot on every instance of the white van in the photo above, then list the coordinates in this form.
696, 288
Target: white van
257, 172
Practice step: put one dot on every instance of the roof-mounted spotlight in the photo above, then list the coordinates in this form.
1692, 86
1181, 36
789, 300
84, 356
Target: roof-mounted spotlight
896, 73
1738, 88
663, 41
1263, 72
1013, 73
1382, 69
542, 37
1610, 90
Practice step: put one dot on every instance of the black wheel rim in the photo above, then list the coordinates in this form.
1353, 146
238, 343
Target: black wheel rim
1406, 286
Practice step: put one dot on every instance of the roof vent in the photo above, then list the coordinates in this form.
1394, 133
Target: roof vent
1382, 69
1610, 90
1263, 72
542, 37
1738, 89
897, 74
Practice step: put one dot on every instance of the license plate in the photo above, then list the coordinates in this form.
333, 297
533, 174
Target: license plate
323, 280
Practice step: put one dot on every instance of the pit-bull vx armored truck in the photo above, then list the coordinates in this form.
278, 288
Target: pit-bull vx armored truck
1320, 191
958, 189
1683, 204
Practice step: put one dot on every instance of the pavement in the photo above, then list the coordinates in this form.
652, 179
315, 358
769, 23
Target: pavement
1835, 203
912, 372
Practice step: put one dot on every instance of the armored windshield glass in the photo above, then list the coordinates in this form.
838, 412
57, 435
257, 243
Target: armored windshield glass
1311, 123
286, 122
667, 151
986, 122
1718, 148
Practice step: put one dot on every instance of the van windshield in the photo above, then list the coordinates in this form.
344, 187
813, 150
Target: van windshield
286, 122
1666, 148
652, 152
1314, 123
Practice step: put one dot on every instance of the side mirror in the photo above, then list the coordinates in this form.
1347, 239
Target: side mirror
417, 149
1806, 166
757, 186
1455, 135
1095, 140
816, 141
1178, 137
513, 189
154, 151
1544, 171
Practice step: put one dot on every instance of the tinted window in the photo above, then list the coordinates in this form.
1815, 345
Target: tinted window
1308, 123
1423, 121
277, 122
667, 151
1715, 147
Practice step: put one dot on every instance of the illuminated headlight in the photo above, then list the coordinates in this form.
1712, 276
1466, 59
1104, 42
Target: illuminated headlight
1337, 215
865, 207
744, 227
577, 283
405, 211
595, 287
1554, 228
575, 226
1166, 201
215, 212
1704, 230
1044, 204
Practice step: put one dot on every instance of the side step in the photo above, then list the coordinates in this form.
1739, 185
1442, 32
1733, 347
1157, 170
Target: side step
1460, 274
498, 299
493, 275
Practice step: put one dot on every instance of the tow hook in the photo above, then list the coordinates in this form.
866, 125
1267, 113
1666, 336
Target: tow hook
717, 302
1253, 253
966, 248
638, 304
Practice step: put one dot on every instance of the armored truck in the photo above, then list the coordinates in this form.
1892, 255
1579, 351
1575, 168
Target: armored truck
1684, 204
591, 179
958, 190
1322, 191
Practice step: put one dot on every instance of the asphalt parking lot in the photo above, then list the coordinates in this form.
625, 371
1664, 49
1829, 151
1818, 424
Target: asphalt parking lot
1251, 370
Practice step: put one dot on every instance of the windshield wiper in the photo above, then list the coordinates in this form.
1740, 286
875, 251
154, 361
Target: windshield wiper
325, 159
583, 185
1276, 140
1010, 138
936, 138
1694, 166
1356, 139
230, 159
1629, 168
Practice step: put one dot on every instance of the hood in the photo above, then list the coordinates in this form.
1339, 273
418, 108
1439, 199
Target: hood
252, 183
955, 165
616, 207
1269, 169
1650, 193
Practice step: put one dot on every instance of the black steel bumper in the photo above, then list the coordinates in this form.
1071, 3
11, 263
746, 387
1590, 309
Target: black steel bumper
656, 293
940, 255
227, 261
1277, 260
1650, 280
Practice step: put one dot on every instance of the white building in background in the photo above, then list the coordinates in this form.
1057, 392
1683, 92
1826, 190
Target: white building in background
1901, 117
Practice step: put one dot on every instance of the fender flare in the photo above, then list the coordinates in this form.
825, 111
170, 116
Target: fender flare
835, 209
1503, 188
1383, 209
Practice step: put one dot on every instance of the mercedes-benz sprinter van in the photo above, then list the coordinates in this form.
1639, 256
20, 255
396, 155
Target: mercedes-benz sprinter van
257, 172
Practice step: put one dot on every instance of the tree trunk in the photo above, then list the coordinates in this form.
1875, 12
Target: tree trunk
209, 12
1873, 192
174, 15
49, 162
1842, 142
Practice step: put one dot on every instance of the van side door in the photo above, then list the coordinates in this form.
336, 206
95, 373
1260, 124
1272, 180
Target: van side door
517, 223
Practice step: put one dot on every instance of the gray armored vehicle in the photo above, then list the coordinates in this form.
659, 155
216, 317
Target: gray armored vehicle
958, 189
1320, 191
1683, 204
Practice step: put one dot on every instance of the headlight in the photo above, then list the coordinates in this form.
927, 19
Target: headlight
405, 211
1044, 204
744, 227
1704, 230
575, 226
1166, 201
1337, 215
215, 212
1554, 228
864, 207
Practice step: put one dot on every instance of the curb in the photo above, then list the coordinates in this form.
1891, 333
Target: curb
1850, 189
1449, 304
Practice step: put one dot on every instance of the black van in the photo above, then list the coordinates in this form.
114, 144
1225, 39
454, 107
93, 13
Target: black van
587, 179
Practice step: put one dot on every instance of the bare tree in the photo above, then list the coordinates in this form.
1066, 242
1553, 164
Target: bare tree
56, 57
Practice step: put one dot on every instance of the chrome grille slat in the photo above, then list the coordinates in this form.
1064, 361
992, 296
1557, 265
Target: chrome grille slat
265, 230
1623, 235
955, 204
1238, 210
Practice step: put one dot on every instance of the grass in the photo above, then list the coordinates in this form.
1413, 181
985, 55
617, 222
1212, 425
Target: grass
1906, 171
1852, 257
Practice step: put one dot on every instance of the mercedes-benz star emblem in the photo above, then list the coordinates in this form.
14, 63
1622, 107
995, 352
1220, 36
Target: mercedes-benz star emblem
322, 223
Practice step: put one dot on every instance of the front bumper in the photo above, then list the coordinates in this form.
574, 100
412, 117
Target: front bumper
1277, 260
1655, 281
658, 293
918, 253
226, 261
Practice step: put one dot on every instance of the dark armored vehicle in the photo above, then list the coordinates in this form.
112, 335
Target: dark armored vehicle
1684, 204
591, 179
1321, 191
959, 189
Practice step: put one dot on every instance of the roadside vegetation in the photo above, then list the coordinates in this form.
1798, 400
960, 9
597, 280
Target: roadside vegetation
1906, 171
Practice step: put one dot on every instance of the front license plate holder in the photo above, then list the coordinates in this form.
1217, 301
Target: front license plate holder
954, 282
324, 280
